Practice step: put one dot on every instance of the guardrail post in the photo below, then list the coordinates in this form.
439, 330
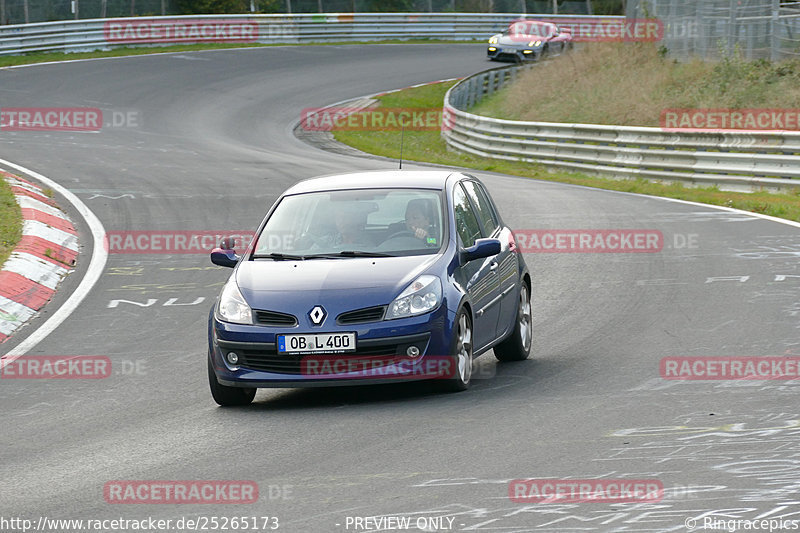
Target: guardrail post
775, 51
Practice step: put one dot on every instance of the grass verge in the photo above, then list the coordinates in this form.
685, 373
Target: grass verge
428, 146
44, 57
10, 222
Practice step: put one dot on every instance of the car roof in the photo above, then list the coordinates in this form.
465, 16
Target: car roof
421, 179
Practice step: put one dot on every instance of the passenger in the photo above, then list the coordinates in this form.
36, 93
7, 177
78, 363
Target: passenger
352, 227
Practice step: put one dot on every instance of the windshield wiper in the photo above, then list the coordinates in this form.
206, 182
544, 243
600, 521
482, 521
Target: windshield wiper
280, 257
352, 253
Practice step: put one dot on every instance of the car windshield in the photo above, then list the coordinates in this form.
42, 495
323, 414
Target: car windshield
353, 223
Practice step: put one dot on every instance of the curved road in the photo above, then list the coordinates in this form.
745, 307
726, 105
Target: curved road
211, 149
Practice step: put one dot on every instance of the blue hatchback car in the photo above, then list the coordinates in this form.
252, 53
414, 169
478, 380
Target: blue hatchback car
369, 278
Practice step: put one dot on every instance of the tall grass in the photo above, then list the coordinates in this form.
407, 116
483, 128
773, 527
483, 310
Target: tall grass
630, 84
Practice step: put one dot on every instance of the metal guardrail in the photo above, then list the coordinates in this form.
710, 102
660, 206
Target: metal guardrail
87, 35
731, 160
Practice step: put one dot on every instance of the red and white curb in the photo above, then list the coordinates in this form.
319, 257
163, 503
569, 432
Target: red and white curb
45, 254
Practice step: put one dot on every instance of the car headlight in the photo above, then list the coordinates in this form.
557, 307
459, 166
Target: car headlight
493, 40
232, 307
534, 44
422, 296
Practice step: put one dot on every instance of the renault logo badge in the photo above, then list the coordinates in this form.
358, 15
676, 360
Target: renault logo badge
317, 315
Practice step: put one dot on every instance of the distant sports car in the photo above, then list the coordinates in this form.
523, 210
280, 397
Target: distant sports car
528, 40
368, 278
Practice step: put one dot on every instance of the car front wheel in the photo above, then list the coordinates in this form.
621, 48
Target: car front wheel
460, 373
228, 396
517, 347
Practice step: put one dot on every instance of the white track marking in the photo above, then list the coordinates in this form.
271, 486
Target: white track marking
35, 269
64, 239
26, 202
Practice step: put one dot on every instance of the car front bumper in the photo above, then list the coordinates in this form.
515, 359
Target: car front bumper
381, 354
505, 53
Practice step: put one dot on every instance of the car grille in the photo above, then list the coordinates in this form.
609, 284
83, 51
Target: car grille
271, 318
265, 357
369, 314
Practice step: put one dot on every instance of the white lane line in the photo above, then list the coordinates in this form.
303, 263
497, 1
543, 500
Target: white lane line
639, 195
733, 210
93, 272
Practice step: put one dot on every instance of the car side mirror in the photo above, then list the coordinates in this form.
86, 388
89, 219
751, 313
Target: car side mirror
225, 258
482, 248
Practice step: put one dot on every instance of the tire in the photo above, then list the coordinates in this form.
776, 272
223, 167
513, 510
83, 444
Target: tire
517, 347
228, 396
461, 354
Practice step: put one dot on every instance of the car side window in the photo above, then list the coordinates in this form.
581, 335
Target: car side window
481, 202
467, 224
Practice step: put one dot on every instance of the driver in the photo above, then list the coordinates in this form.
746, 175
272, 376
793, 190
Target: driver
417, 221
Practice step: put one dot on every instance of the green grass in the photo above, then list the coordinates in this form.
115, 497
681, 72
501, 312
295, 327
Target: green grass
428, 146
10, 222
44, 57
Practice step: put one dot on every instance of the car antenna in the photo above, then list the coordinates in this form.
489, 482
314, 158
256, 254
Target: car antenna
402, 134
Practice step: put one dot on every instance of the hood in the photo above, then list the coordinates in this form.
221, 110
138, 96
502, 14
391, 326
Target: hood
339, 284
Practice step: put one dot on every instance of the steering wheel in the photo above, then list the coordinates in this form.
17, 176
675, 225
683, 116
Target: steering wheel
403, 233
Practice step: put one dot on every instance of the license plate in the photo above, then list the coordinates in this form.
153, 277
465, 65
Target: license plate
509, 51
317, 343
